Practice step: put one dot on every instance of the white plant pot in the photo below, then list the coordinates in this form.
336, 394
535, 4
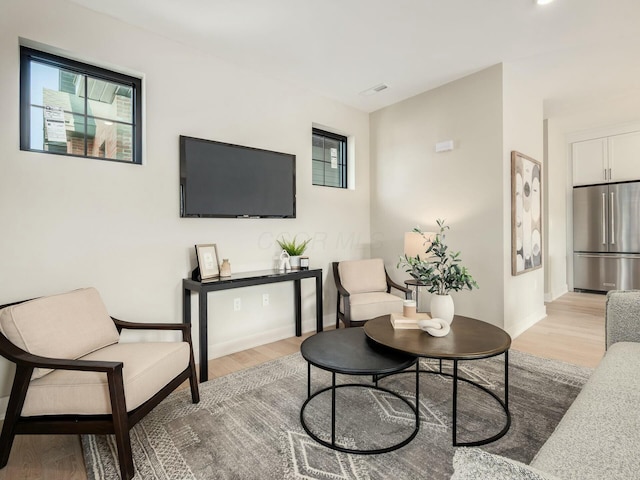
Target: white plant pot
295, 262
442, 307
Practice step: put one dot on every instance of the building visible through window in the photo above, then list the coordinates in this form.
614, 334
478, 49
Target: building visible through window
329, 159
72, 108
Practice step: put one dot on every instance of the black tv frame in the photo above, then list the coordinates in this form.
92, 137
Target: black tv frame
183, 180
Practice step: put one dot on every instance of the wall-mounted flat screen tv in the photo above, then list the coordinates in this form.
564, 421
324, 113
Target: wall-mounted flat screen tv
224, 180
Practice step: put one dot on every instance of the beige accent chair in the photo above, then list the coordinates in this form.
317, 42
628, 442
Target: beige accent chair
364, 291
74, 376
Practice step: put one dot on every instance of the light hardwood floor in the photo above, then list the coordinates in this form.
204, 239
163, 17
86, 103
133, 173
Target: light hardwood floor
573, 332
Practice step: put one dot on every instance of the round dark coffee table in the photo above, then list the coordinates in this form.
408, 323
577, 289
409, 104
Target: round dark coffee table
469, 339
348, 351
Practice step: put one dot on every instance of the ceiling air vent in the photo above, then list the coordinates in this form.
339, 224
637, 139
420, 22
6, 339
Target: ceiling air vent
375, 89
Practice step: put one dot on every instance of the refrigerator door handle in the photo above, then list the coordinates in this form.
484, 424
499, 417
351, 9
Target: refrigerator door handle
613, 226
604, 215
627, 256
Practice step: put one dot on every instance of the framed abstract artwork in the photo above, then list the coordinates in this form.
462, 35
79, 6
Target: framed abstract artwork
526, 213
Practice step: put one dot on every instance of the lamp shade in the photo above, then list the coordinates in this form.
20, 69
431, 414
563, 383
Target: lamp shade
417, 243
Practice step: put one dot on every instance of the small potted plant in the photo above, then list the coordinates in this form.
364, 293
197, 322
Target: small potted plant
294, 249
440, 271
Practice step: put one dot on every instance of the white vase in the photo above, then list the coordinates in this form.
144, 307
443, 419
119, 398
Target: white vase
225, 268
295, 262
442, 307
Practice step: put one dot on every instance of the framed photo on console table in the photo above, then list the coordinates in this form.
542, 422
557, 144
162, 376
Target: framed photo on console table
208, 261
526, 214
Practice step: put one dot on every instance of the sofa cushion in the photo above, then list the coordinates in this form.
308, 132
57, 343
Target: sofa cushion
360, 276
598, 436
622, 316
68, 325
476, 464
365, 306
147, 368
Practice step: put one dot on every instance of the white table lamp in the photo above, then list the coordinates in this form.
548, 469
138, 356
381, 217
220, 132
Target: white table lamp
417, 243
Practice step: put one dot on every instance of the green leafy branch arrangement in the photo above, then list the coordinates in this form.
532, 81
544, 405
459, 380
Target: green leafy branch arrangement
439, 270
292, 247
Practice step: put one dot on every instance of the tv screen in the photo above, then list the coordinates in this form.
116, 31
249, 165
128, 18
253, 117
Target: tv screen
224, 180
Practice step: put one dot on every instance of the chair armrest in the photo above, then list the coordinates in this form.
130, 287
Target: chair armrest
66, 364
120, 324
185, 328
622, 317
407, 291
28, 360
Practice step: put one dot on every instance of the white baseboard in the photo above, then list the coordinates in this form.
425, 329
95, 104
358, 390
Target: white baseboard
551, 296
260, 338
527, 323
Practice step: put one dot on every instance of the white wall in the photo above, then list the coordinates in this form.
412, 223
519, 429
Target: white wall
487, 115
556, 201
412, 185
72, 222
523, 132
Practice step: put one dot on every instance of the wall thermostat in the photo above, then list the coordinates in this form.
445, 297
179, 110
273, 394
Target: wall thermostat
445, 146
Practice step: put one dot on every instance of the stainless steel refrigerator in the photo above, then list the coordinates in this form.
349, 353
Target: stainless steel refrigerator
606, 237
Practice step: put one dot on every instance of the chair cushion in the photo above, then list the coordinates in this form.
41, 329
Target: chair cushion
68, 325
365, 306
147, 368
360, 276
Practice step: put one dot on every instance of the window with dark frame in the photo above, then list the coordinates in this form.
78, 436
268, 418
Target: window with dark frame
329, 159
73, 108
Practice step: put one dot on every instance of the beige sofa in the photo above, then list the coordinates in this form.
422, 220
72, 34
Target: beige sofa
599, 436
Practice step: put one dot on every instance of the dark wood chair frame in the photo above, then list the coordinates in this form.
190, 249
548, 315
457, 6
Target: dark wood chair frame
118, 423
344, 295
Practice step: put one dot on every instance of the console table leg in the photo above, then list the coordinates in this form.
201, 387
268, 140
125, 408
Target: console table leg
204, 335
297, 298
319, 319
186, 306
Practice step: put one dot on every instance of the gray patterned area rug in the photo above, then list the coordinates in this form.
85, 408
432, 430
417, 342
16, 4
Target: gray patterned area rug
247, 424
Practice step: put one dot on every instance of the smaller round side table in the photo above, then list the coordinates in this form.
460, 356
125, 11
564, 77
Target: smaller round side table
348, 351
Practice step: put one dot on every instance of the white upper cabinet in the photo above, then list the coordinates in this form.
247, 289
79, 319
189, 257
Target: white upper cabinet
590, 161
624, 157
608, 159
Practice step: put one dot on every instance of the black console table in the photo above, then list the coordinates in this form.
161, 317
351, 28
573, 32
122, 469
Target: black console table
245, 279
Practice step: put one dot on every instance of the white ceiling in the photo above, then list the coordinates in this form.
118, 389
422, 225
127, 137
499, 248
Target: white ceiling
574, 50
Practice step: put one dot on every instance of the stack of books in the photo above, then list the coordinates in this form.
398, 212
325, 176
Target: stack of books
399, 322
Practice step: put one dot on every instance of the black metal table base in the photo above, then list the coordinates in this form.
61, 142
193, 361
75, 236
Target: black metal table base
504, 404
332, 444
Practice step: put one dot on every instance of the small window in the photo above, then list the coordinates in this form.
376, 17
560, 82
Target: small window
71, 108
329, 159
